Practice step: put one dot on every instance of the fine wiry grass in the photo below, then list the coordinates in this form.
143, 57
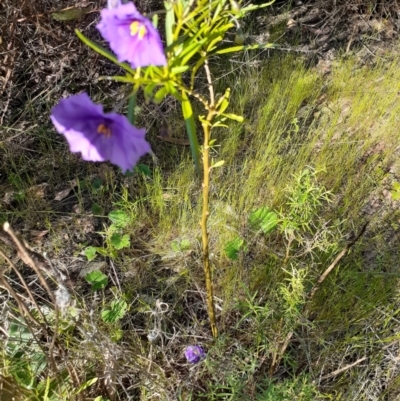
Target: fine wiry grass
318, 151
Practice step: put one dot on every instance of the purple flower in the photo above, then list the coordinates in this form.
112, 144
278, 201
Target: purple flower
131, 36
113, 3
97, 135
194, 354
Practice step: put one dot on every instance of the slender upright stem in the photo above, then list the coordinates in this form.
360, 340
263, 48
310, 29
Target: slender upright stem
206, 259
206, 188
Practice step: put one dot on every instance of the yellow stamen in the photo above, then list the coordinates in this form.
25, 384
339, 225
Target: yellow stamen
134, 28
137, 27
103, 129
142, 32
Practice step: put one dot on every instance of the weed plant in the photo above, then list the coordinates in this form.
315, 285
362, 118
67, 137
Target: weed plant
301, 176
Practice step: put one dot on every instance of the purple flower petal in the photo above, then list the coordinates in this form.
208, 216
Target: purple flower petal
99, 136
113, 3
194, 354
131, 36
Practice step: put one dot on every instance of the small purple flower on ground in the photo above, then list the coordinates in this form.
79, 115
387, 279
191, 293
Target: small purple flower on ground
194, 354
97, 135
132, 37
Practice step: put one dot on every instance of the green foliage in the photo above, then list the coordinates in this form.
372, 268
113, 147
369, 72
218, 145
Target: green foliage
143, 169
264, 219
27, 364
297, 388
115, 311
119, 219
395, 191
195, 31
355, 312
305, 197
119, 241
90, 252
233, 247
180, 246
27, 361
115, 239
98, 280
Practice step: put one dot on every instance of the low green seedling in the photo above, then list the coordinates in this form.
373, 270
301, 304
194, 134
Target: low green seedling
264, 219
97, 279
116, 311
115, 236
395, 192
233, 247
180, 246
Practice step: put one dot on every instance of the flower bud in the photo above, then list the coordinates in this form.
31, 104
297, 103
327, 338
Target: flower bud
235, 7
239, 37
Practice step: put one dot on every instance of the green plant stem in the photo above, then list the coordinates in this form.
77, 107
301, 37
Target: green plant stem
204, 233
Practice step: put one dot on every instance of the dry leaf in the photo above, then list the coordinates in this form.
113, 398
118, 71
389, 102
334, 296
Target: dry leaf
92, 266
60, 195
70, 14
37, 236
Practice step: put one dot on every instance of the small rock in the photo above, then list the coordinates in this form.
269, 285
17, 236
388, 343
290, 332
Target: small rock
92, 266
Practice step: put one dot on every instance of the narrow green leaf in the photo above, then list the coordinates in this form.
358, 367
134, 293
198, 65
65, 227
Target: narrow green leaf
240, 48
169, 22
213, 44
160, 95
179, 69
148, 91
223, 102
85, 385
253, 7
235, 117
219, 124
101, 50
154, 20
191, 50
217, 12
191, 129
218, 164
196, 67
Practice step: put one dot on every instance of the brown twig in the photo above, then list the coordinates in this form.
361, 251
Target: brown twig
27, 257
25, 311
324, 275
30, 258
27, 289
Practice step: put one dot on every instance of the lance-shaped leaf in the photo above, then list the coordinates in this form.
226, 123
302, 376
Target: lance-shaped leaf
223, 101
253, 7
235, 117
191, 130
101, 50
169, 22
240, 48
160, 95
